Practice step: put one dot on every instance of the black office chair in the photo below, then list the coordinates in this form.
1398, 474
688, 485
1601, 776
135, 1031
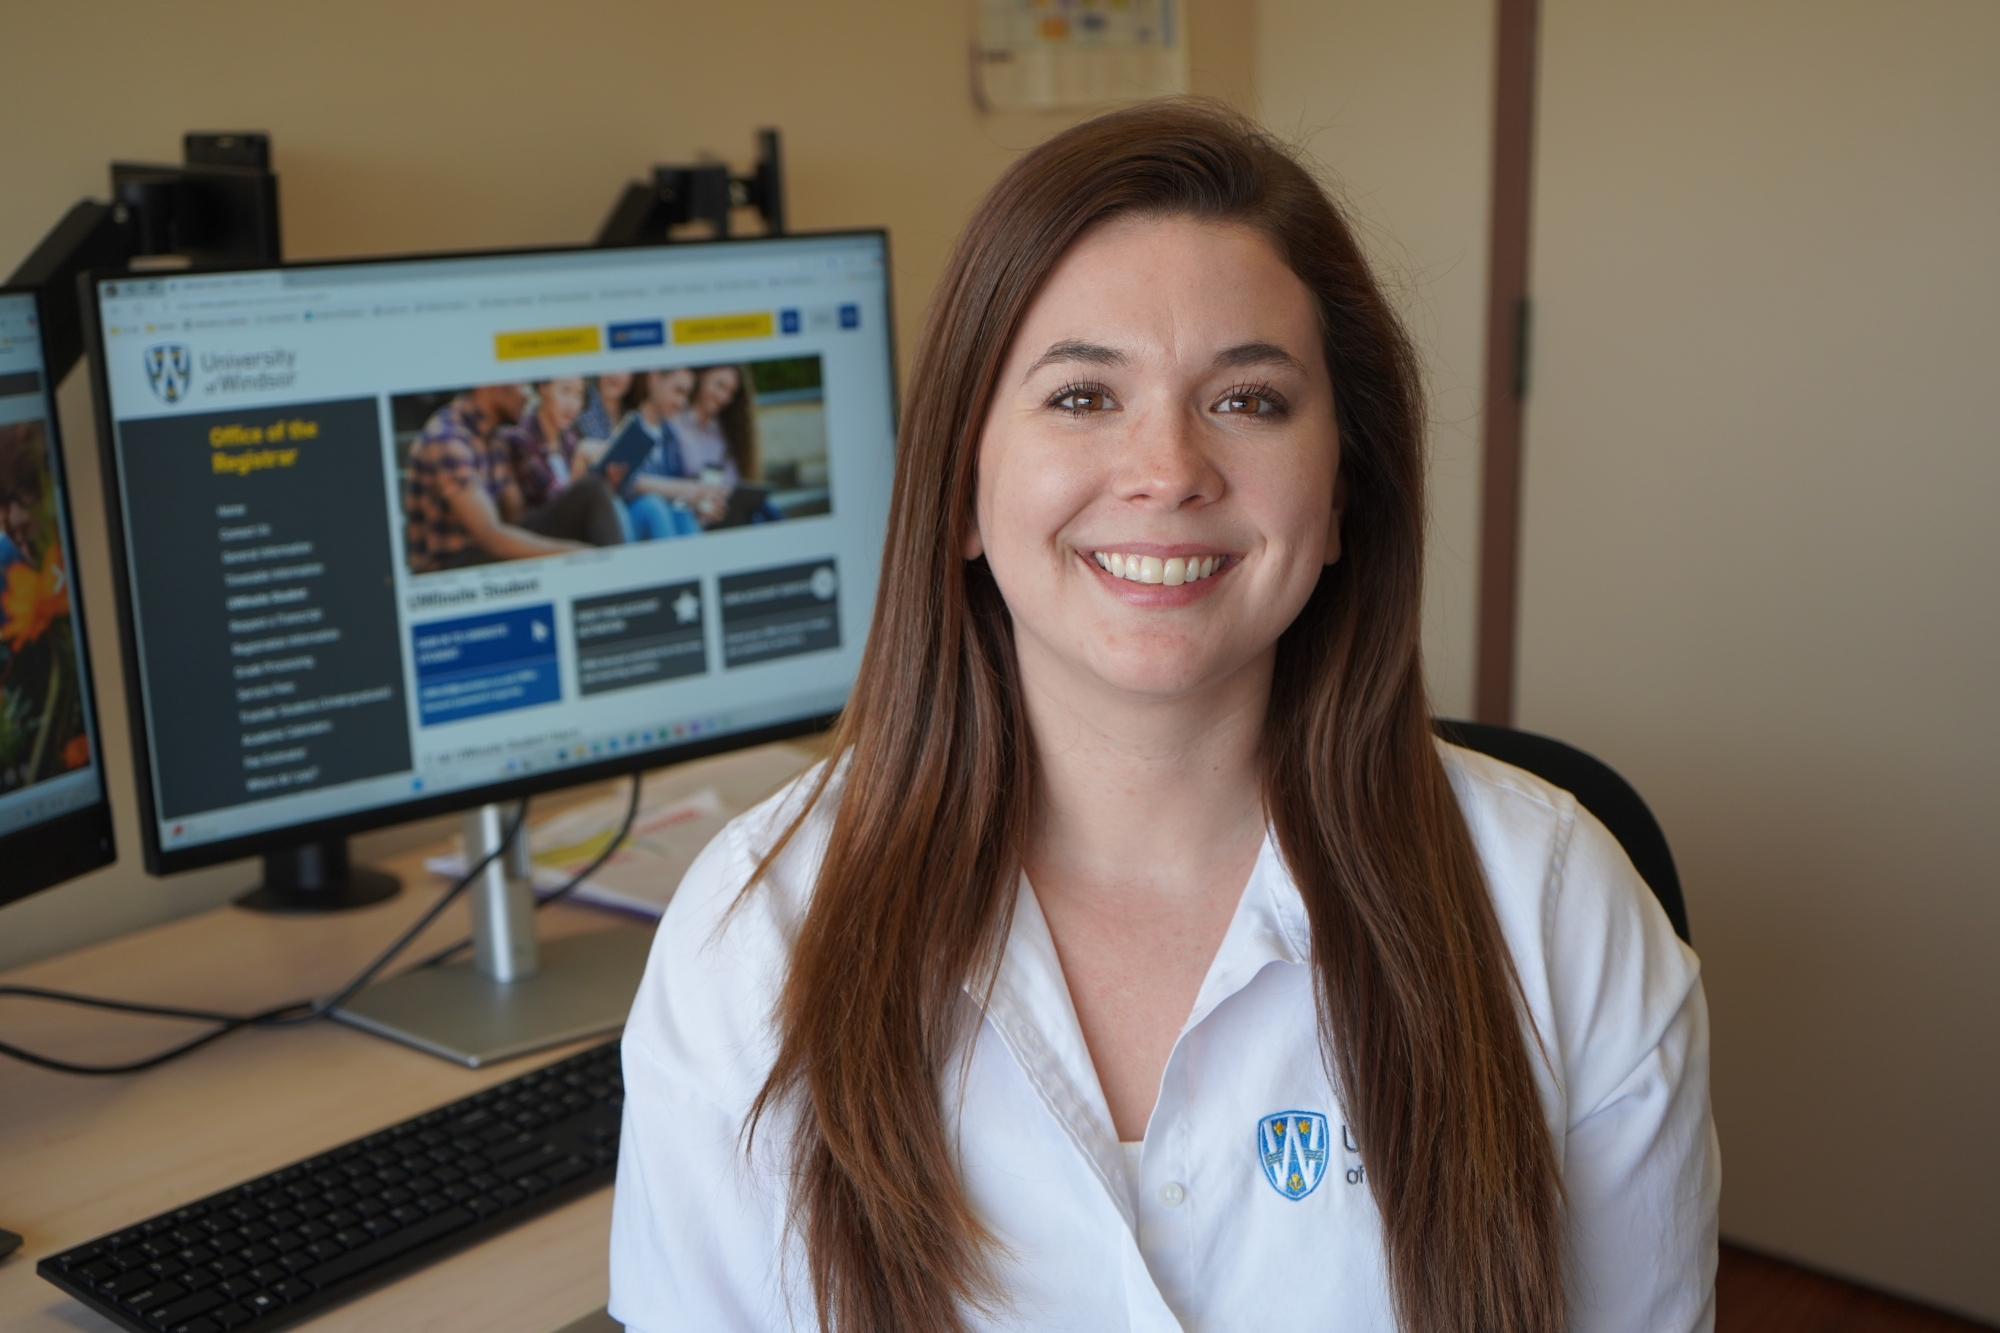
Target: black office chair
1597, 788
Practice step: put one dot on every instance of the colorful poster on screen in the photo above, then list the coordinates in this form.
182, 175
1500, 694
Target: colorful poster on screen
42, 733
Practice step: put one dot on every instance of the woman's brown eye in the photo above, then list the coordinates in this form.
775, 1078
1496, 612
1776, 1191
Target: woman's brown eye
1080, 400
1246, 402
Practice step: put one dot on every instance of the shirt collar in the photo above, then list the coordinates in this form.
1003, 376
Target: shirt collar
1031, 1011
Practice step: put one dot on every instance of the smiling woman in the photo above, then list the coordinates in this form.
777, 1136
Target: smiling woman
1141, 962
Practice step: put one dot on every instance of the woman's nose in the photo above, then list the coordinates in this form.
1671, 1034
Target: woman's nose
1167, 466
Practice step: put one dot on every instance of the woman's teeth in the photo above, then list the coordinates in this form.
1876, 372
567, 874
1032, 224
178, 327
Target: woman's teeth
1152, 569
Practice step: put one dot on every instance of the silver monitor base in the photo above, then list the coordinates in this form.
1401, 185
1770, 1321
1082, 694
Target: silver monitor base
584, 987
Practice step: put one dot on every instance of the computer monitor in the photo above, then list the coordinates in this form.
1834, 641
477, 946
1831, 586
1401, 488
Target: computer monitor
399, 537
55, 820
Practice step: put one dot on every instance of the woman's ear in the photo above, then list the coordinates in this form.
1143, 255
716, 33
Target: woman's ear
972, 548
1339, 508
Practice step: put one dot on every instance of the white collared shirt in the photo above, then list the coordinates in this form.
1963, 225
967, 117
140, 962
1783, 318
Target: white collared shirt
1215, 1232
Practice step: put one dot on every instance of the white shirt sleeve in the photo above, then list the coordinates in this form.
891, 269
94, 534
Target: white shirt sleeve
698, 1227
1641, 1165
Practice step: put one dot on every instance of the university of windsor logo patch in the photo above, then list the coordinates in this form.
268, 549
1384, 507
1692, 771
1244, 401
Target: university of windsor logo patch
170, 369
1293, 1148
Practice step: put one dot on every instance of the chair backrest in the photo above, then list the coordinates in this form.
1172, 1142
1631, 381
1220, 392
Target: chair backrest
1597, 788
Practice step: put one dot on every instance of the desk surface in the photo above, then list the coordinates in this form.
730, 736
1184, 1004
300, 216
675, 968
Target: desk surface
83, 1156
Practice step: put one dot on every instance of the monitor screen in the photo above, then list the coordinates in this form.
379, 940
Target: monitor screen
51, 779
402, 536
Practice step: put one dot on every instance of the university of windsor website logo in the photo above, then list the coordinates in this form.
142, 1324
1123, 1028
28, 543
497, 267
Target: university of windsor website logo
170, 370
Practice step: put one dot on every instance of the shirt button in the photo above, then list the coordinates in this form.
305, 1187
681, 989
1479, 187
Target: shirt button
1171, 1194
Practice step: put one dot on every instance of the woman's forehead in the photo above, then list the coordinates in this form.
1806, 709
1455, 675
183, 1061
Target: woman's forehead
1139, 285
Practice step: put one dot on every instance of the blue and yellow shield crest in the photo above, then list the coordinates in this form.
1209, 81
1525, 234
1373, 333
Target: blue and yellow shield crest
169, 369
1293, 1148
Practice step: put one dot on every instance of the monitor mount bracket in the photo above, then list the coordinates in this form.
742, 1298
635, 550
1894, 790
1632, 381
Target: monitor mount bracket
704, 192
219, 206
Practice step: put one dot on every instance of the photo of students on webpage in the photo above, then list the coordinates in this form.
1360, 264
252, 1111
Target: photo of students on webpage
695, 448
520, 471
464, 498
41, 695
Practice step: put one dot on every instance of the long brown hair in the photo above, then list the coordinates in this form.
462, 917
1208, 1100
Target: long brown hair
1419, 1013
737, 421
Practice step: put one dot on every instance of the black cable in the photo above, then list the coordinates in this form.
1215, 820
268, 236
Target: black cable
574, 881
284, 1015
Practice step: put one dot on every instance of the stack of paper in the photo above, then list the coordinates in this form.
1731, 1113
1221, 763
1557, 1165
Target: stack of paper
680, 810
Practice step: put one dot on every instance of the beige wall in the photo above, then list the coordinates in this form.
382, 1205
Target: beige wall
403, 127
1762, 573
1394, 101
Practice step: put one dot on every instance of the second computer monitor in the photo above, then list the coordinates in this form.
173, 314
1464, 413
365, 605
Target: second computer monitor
55, 822
398, 537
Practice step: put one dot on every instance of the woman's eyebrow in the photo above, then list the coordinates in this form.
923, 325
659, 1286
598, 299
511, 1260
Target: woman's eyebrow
1072, 349
1258, 354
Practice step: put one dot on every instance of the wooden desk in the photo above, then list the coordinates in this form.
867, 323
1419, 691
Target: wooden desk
83, 1156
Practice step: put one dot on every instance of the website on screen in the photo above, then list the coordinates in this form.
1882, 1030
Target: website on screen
402, 528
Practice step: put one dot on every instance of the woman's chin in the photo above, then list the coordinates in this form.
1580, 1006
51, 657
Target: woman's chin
1163, 682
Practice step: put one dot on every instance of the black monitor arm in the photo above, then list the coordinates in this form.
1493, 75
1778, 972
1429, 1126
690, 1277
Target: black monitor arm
648, 211
220, 206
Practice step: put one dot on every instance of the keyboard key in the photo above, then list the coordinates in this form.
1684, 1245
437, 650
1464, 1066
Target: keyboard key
293, 1289
228, 1266
566, 1170
199, 1324
159, 1293
529, 1161
238, 1287
262, 1302
118, 1288
181, 1311
231, 1315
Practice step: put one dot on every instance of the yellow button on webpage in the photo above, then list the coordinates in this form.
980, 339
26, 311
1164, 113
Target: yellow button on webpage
545, 342
723, 328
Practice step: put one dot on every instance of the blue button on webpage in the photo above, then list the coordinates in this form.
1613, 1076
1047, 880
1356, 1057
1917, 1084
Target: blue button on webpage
641, 333
850, 317
482, 664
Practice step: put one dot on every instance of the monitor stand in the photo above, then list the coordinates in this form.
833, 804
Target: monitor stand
516, 994
317, 877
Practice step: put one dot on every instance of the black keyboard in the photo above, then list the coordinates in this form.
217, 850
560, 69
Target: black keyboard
288, 1245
